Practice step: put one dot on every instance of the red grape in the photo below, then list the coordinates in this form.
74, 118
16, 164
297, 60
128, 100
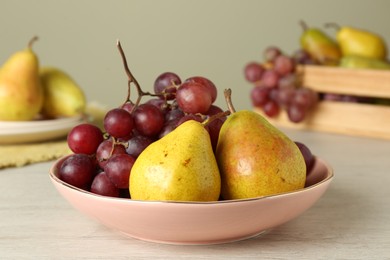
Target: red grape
148, 119
137, 144
85, 138
213, 110
253, 71
124, 193
271, 52
106, 149
270, 78
189, 117
166, 83
174, 114
118, 123
128, 106
304, 97
296, 113
77, 170
332, 97
259, 96
207, 83
301, 56
285, 96
307, 155
271, 108
102, 185
168, 127
349, 98
213, 129
289, 80
118, 169
284, 65
193, 97
159, 103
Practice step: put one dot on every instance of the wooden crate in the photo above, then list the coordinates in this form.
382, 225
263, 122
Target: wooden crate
355, 119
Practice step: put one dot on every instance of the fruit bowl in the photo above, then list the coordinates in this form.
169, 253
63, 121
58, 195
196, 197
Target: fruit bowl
197, 222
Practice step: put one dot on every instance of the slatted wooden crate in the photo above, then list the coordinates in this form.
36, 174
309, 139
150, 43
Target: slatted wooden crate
357, 119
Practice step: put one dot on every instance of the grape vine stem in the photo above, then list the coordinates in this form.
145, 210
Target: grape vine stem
216, 116
131, 79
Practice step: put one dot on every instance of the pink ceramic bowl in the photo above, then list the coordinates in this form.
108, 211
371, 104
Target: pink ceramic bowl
200, 222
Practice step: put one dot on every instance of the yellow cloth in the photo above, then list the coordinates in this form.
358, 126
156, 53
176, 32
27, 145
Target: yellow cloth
23, 154
16, 155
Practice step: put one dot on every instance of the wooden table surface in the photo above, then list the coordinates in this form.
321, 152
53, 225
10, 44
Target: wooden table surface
351, 221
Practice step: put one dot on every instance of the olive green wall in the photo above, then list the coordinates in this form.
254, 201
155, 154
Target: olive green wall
211, 38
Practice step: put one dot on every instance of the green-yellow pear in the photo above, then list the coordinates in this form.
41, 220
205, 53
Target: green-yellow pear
21, 94
256, 159
180, 166
360, 62
63, 96
319, 45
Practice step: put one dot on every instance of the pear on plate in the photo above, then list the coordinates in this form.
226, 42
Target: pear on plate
180, 166
257, 159
63, 96
21, 94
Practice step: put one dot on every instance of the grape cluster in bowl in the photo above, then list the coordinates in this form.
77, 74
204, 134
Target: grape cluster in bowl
102, 159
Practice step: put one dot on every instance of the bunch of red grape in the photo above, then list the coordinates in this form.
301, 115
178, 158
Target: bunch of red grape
277, 85
102, 160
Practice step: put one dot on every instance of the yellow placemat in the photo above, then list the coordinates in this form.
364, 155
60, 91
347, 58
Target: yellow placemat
22, 154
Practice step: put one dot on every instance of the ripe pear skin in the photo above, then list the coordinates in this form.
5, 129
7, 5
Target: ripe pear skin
180, 166
63, 96
256, 159
358, 42
320, 46
21, 94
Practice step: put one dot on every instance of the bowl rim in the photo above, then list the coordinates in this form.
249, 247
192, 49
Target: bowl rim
328, 178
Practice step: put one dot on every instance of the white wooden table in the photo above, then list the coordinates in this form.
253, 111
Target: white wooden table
351, 221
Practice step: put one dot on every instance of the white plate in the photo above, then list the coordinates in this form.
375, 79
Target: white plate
17, 132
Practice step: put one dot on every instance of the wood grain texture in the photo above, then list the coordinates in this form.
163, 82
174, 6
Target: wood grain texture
342, 118
351, 221
361, 82
356, 119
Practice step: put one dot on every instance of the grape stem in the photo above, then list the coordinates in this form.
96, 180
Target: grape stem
216, 116
131, 79
228, 97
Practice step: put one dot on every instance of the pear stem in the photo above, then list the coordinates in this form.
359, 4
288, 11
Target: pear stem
31, 42
303, 25
228, 97
131, 79
333, 25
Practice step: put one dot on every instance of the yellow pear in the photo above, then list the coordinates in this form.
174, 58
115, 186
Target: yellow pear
180, 166
63, 96
21, 94
256, 159
359, 42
